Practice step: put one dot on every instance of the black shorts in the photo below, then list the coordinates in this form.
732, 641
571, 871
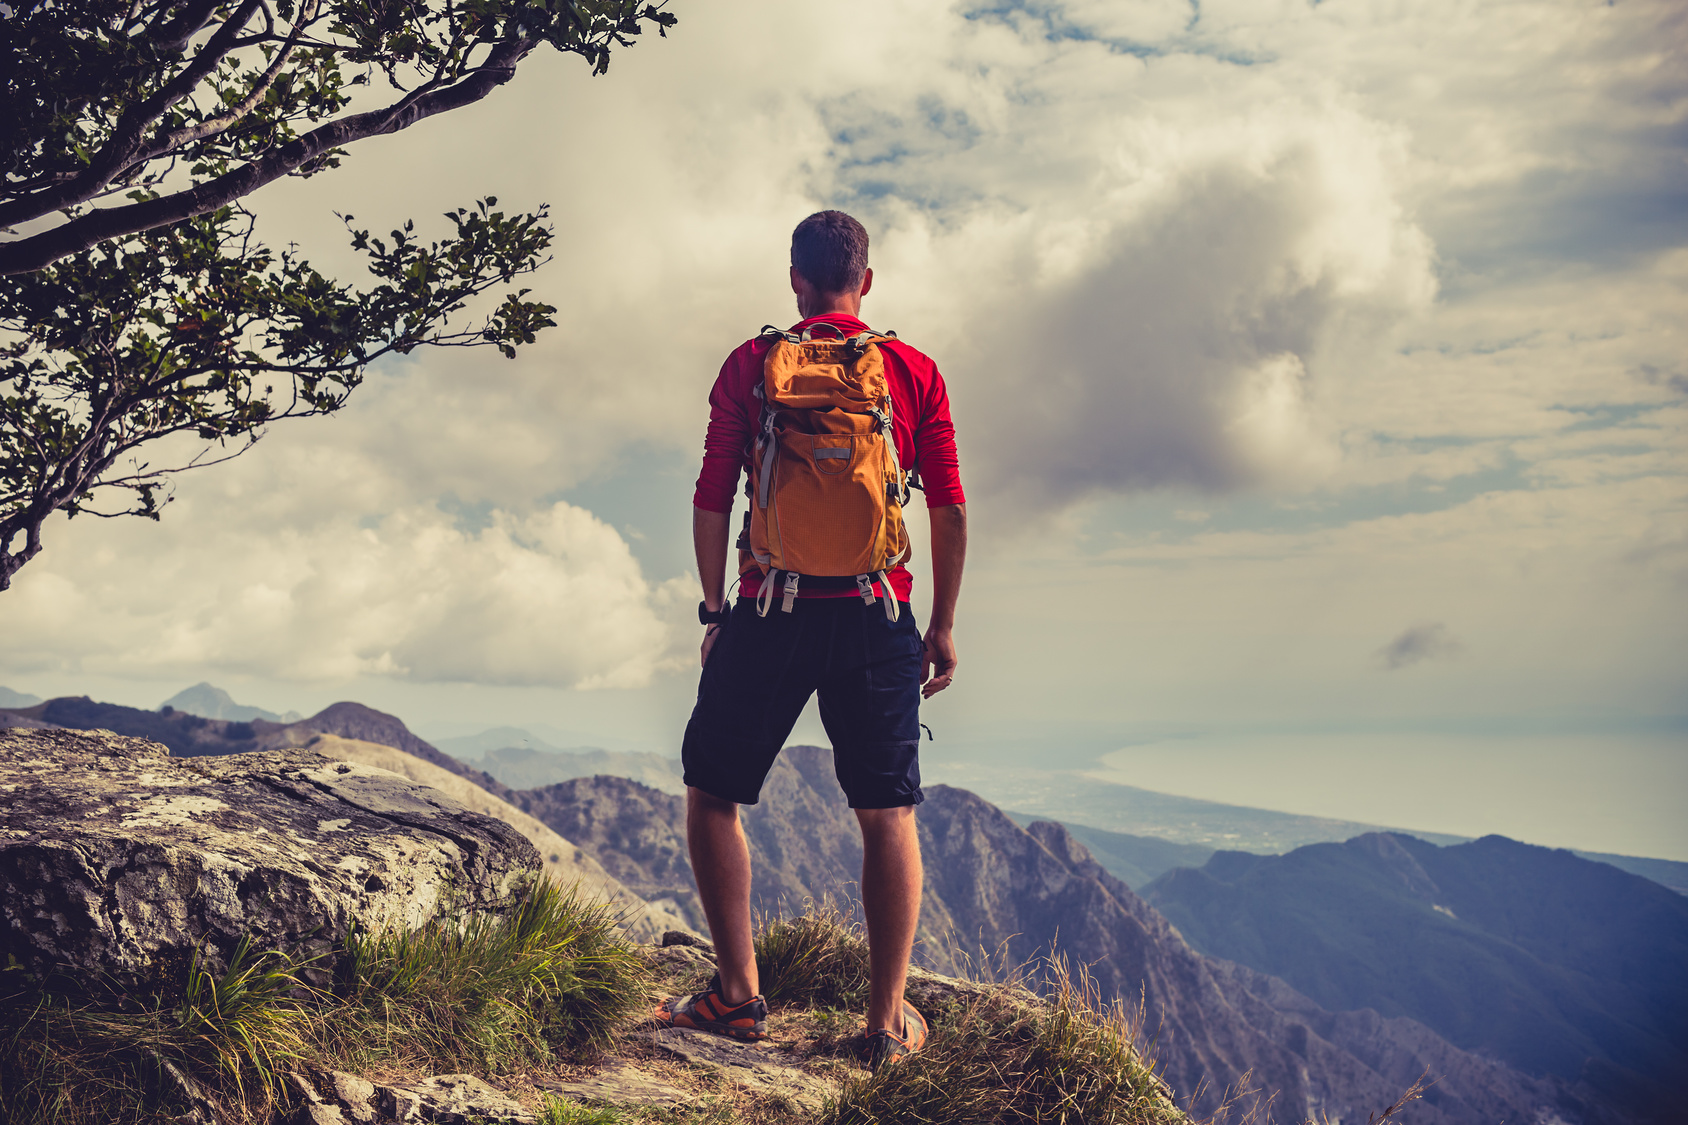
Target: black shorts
760, 675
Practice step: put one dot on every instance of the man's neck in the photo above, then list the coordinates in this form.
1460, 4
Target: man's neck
850, 305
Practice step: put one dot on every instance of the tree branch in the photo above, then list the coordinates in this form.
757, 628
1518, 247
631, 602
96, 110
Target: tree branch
121, 147
173, 35
213, 125
79, 234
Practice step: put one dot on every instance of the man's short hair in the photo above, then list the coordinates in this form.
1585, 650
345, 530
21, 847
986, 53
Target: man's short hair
829, 248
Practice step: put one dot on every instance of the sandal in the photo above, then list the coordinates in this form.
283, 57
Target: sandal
707, 1011
885, 1046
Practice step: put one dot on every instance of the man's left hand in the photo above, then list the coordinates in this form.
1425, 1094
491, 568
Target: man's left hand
937, 666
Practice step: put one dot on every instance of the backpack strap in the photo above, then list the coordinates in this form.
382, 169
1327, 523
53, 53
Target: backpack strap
892, 610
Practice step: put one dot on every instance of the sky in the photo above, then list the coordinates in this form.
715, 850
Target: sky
1319, 374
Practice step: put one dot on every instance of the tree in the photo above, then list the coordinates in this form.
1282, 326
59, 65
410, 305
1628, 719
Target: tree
136, 302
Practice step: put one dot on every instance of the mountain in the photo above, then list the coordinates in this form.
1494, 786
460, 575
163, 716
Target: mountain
10, 698
1556, 964
1134, 860
209, 702
366, 724
1022, 892
467, 747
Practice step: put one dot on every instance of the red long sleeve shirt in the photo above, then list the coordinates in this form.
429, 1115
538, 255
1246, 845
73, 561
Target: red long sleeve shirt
920, 425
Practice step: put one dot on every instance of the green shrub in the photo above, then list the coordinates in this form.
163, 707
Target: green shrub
817, 959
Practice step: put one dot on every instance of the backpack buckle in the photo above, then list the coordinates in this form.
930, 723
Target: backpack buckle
865, 587
790, 591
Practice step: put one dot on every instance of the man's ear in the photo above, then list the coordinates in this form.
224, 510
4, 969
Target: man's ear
867, 280
797, 281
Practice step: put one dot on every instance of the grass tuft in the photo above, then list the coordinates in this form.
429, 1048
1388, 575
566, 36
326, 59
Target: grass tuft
551, 976
817, 959
226, 1038
995, 1058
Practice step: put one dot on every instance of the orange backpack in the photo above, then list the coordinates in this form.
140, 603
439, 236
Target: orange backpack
826, 488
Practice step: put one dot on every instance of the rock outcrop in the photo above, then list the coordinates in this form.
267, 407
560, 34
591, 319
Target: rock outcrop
116, 857
564, 862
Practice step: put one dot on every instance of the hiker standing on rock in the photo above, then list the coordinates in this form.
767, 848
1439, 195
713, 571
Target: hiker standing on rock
834, 423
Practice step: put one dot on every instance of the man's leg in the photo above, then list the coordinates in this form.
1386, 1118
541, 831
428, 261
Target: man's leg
891, 880
721, 865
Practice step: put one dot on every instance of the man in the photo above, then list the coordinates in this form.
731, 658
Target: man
871, 668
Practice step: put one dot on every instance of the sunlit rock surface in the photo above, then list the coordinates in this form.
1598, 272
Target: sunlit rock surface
115, 856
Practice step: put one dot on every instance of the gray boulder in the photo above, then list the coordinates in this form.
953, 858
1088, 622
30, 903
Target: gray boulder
115, 857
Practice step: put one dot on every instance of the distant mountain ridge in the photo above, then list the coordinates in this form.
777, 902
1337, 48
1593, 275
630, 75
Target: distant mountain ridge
522, 768
1556, 964
189, 735
1080, 801
211, 702
10, 698
1078, 798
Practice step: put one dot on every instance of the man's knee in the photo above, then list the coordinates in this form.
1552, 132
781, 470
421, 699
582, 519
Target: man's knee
887, 824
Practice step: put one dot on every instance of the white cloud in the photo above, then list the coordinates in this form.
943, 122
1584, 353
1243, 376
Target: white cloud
317, 582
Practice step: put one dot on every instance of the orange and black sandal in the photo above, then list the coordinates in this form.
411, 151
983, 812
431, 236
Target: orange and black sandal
707, 1011
885, 1046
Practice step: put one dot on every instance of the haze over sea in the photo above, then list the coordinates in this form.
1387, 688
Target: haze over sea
1318, 371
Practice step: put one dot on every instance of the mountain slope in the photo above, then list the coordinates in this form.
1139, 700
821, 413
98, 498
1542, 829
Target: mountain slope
991, 884
1553, 963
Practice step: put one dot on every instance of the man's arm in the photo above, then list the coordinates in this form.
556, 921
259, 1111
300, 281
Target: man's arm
949, 553
709, 541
